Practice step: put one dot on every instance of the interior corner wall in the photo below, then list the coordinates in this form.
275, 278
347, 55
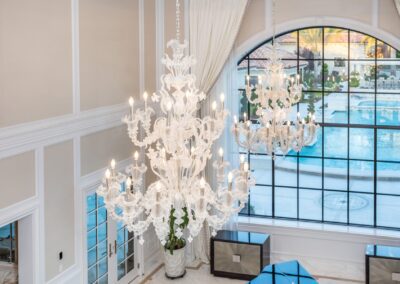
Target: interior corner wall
59, 208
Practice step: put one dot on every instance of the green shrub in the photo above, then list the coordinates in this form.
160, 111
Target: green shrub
173, 242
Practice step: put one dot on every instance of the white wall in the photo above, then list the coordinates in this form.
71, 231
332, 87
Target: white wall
66, 72
26, 253
59, 207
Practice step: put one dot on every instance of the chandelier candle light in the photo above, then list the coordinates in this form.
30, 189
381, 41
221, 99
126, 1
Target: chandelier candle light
178, 146
274, 131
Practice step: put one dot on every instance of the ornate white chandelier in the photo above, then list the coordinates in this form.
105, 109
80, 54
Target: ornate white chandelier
178, 145
274, 131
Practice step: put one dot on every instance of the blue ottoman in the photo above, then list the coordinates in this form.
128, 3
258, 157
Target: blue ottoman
290, 272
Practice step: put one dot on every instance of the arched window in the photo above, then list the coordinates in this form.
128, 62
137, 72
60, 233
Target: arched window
351, 175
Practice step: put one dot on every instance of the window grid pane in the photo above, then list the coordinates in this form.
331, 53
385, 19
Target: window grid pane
351, 81
125, 251
96, 239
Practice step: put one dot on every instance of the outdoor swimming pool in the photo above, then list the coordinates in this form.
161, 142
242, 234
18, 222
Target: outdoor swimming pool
360, 141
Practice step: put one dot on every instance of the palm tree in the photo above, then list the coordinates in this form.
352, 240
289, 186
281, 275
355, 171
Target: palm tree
311, 39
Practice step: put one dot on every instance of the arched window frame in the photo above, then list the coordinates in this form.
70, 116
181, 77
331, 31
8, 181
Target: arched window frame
374, 220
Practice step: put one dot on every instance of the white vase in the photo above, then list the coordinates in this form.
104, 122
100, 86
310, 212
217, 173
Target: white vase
175, 263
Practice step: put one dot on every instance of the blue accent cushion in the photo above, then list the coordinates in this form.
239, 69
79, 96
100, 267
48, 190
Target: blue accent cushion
290, 272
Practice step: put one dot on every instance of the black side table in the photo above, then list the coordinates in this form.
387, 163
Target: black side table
382, 264
238, 254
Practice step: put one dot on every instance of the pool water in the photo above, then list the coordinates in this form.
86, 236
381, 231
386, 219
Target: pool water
361, 140
383, 117
391, 104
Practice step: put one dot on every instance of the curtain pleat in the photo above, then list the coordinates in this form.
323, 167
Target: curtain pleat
214, 25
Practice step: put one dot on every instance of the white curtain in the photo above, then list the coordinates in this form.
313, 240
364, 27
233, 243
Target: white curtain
397, 2
214, 25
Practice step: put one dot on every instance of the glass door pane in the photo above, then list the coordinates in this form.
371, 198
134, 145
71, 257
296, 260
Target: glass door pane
122, 260
111, 251
97, 242
125, 251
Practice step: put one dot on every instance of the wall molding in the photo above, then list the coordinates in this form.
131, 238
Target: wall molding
91, 181
29, 136
69, 275
18, 210
78, 208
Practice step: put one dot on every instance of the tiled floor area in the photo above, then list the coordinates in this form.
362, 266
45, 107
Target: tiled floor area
203, 276
8, 274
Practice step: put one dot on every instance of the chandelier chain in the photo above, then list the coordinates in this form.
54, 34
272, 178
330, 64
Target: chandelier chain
273, 21
177, 20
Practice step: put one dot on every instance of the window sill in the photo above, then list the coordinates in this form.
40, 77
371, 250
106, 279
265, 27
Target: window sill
305, 228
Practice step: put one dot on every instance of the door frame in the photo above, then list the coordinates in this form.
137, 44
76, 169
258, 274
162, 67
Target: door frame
137, 272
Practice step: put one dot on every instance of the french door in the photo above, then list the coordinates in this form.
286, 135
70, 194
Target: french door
111, 250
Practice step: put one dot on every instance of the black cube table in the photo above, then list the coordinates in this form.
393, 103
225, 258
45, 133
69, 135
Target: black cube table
238, 254
290, 272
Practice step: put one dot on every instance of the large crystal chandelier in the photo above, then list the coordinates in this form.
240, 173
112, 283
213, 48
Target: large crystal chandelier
274, 131
178, 146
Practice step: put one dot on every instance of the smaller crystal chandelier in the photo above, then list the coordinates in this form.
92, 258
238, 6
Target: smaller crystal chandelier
274, 131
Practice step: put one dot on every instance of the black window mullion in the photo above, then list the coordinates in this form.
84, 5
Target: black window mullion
375, 134
323, 129
273, 186
11, 243
348, 129
273, 170
298, 110
248, 116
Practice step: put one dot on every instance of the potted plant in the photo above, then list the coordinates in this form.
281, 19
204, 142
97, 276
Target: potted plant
174, 248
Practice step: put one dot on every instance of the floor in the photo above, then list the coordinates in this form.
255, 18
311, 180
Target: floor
202, 275
8, 274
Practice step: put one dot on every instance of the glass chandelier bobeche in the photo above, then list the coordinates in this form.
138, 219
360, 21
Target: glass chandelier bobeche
274, 131
178, 146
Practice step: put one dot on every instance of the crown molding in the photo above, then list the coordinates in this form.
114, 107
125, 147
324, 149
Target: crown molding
28, 136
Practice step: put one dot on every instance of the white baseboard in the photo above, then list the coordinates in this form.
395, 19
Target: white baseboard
153, 262
72, 275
